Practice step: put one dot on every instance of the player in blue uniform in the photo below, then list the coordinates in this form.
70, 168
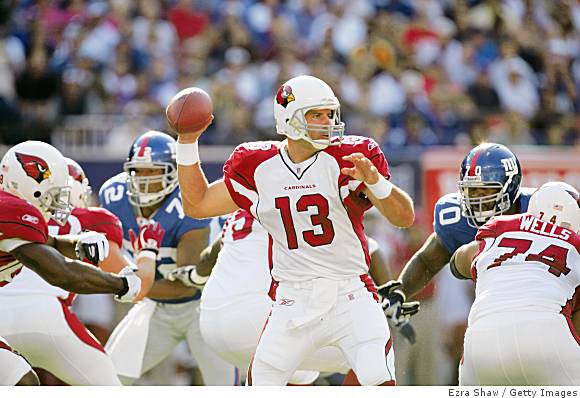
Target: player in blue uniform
148, 190
489, 184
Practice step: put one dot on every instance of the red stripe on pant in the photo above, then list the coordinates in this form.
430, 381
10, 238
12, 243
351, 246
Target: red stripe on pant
79, 329
351, 380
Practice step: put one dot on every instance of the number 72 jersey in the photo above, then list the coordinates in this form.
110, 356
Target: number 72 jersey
113, 197
312, 211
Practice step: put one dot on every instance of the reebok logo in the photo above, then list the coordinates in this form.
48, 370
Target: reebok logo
29, 218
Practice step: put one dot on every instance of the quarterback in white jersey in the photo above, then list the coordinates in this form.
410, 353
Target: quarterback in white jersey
527, 273
237, 294
310, 193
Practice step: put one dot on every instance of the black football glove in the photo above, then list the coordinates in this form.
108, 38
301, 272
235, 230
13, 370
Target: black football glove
395, 305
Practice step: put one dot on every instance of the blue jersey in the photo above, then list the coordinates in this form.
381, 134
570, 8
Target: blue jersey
451, 226
113, 197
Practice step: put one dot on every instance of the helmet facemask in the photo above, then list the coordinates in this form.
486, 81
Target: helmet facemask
55, 202
478, 210
303, 129
141, 191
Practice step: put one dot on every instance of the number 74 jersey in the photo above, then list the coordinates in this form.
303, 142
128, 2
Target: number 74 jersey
525, 264
312, 211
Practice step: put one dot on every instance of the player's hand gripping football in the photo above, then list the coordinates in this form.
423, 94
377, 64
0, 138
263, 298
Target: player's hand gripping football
362, 170
149, 238
92, 247
188, 276
189, 113
397, 309
189, 137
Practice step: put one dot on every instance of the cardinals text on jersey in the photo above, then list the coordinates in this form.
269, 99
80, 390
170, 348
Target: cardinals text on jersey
312, 211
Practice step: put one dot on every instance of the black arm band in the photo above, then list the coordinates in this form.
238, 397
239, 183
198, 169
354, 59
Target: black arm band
454, 270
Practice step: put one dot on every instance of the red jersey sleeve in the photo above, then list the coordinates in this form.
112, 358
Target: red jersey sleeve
365, 145
240, 167
20, 219
372, 151
101, 220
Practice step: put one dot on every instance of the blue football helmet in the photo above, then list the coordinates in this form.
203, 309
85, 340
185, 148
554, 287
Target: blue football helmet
151, 169
494, 167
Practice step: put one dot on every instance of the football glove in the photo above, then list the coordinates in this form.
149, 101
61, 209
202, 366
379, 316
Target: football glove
92, 247
394, 303
188, 276
149, 238
133, 286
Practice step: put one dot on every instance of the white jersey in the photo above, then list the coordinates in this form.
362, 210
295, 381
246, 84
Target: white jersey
242, 265
313, 212
525, 264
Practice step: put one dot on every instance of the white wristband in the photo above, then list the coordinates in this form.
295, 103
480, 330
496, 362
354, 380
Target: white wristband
198, 279
187, 154
381, 189
149, 254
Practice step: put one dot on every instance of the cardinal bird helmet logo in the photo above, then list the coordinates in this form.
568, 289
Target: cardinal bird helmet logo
284, 95
34, 167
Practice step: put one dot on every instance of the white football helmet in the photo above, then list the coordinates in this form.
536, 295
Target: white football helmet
555, 204
80, 188
296, 97
565, 186
37, 172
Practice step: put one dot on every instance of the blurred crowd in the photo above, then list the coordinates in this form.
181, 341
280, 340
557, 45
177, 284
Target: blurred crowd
407, 72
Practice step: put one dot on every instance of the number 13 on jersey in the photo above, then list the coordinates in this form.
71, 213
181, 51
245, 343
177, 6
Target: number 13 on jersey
318, 219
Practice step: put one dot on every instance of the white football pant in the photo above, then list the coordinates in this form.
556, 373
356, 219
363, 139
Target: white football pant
12, 366
526, 348
51, 337
310, 315
166, 326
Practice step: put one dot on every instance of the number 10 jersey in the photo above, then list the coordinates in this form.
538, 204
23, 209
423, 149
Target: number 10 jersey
313, 212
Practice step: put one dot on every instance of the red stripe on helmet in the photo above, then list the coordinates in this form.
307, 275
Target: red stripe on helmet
143, 146
474, 163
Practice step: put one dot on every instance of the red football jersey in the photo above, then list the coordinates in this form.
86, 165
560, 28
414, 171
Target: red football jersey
20, 223
91, 219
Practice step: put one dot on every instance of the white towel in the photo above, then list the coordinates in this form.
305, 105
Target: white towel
126, 346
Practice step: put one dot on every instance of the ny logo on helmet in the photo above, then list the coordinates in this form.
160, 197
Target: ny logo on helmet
284, 95
510, 166
34, 167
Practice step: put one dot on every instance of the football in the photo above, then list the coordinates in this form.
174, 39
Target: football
189, 110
